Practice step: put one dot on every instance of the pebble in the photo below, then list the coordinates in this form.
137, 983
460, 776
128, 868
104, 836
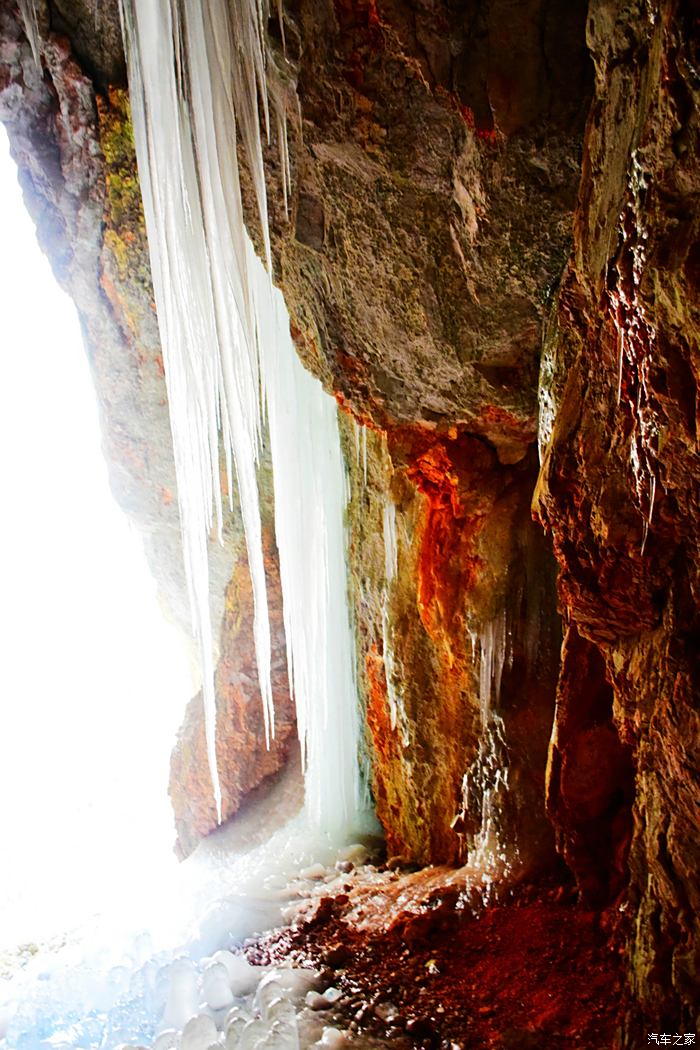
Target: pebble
357, 853
314, 871
332, 1037
338, 956
387, 1012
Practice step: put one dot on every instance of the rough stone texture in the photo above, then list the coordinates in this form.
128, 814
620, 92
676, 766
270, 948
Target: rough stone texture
590, 778
619, 488
434, 177
75, 156
433, 187
467, 554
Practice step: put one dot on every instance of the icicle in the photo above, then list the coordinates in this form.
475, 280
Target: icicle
356, 438
187, 88
310, 502
360, 437
492, 645
390, 548
27, 10
197, 75
397, 712
280, 19
487, 778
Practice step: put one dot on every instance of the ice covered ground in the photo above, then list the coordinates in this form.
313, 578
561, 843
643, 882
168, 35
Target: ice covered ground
180, 982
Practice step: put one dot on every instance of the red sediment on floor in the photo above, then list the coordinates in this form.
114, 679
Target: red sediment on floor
533, 972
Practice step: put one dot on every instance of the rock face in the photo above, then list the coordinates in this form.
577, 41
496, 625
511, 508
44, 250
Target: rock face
243, 758
472, 576
417, 265
619, 494
71, 137
434, 177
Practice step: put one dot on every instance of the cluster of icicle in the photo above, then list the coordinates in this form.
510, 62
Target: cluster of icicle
486, 781
199, 80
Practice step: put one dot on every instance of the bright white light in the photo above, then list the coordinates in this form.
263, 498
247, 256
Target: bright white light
93, 681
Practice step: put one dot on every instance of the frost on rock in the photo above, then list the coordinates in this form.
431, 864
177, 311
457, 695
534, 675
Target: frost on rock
397, 713
199, 78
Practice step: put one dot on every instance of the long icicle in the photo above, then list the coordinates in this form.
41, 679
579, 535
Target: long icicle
311, 494
185, 132
197, 72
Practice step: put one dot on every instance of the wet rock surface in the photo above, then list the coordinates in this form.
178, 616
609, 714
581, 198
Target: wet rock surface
469, 566
243, 758
433, 181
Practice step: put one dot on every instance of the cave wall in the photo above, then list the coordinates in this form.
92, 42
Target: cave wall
468, 558
433, 185
619, 485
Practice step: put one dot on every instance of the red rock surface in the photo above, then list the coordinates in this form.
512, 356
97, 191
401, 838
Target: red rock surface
244, 761
468, 554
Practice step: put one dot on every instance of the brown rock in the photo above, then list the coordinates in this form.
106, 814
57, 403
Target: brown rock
243, 758
338, 956
619, 490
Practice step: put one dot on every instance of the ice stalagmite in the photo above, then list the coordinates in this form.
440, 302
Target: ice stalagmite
198, 80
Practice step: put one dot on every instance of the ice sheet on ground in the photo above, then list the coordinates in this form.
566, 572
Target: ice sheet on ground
106, 987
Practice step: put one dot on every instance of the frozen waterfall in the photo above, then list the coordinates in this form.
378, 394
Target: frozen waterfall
198, 76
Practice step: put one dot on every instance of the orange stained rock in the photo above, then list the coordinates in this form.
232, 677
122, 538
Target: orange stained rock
386, 769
